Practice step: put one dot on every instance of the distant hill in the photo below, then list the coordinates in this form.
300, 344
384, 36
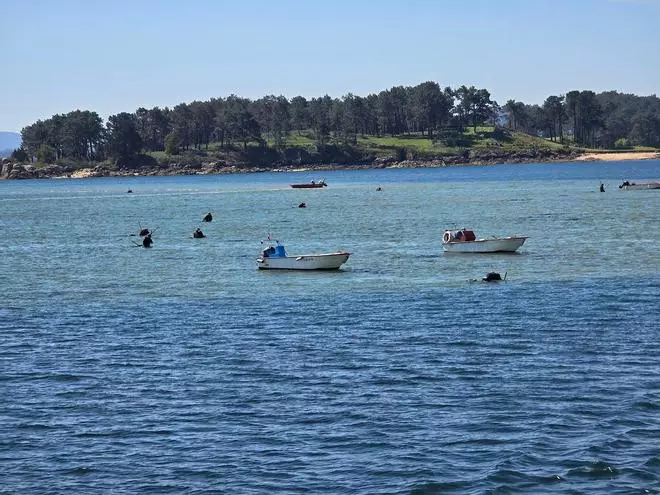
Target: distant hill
9, 141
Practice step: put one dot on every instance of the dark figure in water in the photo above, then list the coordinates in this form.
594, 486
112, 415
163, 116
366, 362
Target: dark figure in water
129, 191
602, 187
198, 234
302, 205
144, 232
379, 188
208, 217
147, 241
492, 277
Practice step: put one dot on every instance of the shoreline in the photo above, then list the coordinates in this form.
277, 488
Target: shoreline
19, 171
586, 157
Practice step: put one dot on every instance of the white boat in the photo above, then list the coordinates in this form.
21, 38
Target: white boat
465, 241
310, 185
275, 257
641, 185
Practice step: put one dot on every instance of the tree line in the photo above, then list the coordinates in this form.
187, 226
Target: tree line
584, 118
606, 120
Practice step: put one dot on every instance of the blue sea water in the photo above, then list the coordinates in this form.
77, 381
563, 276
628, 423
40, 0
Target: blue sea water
184, 369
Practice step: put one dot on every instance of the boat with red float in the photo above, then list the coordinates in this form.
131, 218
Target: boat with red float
465, 241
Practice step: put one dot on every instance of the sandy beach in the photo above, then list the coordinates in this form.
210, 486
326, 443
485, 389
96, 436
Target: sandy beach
609, 157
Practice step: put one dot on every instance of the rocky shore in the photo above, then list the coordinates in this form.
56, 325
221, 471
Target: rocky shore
15, 170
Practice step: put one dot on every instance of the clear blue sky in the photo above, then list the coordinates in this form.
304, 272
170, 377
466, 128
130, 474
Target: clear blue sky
111, 56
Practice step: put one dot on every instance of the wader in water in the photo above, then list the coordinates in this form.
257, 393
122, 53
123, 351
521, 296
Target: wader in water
147, 241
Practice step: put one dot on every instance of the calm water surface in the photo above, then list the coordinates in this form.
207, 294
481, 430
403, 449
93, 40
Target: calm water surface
184, 369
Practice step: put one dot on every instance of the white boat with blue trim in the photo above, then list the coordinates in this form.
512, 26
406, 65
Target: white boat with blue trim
275, 257
465, 241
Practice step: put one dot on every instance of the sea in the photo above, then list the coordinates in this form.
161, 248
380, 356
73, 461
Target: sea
183, 369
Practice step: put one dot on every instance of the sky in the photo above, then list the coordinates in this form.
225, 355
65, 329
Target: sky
112, 56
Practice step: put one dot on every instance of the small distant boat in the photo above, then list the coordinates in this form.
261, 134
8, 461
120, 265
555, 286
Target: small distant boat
274, 257
465, 241
310, 185
640, 185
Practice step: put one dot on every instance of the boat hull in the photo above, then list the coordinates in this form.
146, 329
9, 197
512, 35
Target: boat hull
307, 186
644, 185
327, 261
497, 245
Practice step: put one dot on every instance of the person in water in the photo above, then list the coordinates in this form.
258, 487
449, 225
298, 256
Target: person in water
602, 187
208, 217
198, 234
147, 241
302, 205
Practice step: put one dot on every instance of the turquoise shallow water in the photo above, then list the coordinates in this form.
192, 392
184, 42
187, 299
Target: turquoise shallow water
184, 369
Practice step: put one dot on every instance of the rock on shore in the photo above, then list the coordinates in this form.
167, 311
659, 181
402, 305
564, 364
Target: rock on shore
14, 170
